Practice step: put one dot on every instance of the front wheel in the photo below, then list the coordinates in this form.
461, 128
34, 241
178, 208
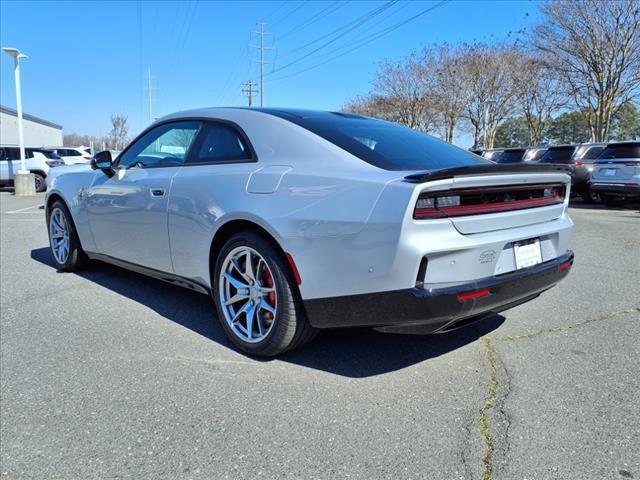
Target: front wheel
63, 239
257, 299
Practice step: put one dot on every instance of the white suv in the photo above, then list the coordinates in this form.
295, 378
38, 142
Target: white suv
38, 161
73, 155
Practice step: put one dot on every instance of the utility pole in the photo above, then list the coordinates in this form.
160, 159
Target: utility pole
149, 94
249, 90
262, 61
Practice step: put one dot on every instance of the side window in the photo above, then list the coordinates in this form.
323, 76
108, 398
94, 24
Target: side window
165, 145
3, 154
28, 153
13, 153
73, 153
219, 143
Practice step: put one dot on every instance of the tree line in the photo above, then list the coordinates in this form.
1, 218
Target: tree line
116, 139
574, 77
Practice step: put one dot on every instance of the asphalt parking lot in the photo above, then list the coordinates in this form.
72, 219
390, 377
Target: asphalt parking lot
108, 374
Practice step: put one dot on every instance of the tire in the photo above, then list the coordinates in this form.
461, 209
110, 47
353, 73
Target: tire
41, 183
612, 200
59, 223
587, 195
258, 331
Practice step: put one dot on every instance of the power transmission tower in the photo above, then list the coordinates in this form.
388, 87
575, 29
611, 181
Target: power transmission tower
262, 61
249, 90
150, 89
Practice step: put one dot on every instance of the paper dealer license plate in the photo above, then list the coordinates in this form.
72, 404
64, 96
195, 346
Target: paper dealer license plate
527, 253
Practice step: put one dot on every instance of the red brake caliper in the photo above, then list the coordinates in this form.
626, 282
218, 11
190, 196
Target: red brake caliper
272, 295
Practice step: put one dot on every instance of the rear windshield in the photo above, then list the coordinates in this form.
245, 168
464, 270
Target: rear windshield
511, 156
383, 144
558, 155
621, 150
592, 153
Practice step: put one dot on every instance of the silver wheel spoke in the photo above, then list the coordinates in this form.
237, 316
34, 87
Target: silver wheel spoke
240, 312
248, 266
264, 305
251, 315
234, 281
236, 298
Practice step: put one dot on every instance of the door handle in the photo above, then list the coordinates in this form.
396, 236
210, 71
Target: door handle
157, 192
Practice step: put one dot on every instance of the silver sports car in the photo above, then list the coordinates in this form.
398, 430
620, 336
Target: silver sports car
296, 220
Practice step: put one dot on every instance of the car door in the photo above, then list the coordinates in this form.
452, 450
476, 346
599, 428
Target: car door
127, 211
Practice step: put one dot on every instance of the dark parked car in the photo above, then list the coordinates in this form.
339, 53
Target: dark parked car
564, 155
534, 154
616, 175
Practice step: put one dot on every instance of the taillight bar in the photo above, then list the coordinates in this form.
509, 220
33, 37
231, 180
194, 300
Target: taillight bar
478, 201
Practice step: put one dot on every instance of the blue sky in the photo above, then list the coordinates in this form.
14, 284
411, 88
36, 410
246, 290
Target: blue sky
89, 59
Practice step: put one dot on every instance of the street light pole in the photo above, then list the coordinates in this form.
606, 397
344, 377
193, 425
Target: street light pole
17, 55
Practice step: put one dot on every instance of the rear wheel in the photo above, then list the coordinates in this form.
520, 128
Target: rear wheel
612, 200
257, 299
63, 239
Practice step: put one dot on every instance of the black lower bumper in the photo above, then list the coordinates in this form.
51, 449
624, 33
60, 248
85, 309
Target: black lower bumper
439, 308
613, 189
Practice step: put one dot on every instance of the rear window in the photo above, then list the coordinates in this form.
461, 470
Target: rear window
558, 155
511, 156
621, 150
383, 144
592, 153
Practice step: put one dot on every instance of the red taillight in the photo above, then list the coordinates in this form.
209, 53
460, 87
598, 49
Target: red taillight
87, 158
475, 294
566, 266
486, 200
578, 164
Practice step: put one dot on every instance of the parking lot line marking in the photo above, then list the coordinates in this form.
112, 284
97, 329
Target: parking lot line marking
25, 209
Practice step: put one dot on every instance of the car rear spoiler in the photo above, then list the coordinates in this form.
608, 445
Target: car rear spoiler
489, 169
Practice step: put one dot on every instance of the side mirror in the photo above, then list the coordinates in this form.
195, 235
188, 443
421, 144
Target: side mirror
103, 161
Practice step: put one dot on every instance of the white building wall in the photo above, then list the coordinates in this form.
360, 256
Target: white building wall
35, 134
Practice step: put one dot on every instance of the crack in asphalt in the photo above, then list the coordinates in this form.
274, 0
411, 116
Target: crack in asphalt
564, 328
497, 391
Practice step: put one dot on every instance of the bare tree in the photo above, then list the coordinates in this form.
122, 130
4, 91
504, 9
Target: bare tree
119, 131
372, 106
405, 87
487, 72
540, 92
595, 44
448, 90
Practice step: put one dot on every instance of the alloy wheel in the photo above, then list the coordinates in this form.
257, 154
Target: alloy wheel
59, 235
247, 294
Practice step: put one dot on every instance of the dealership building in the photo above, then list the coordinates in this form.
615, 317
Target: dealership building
37, 131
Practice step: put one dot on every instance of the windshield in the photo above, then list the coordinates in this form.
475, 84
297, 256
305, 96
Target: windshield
558, 155
621, 150
383, 144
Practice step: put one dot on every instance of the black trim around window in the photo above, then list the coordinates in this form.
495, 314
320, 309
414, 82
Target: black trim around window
241, 133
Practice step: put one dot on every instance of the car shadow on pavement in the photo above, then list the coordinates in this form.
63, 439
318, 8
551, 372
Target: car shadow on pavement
354, 352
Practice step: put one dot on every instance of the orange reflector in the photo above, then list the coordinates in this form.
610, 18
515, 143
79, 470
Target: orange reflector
471, 295
566, 266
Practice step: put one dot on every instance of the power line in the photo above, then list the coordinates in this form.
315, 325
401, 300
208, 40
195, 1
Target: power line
371, 38
262, 62
332, 8
348, 28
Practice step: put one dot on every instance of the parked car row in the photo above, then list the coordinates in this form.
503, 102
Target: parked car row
610, 171
39, 161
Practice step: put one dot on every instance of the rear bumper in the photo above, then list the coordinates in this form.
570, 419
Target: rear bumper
438, 308
616, 189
